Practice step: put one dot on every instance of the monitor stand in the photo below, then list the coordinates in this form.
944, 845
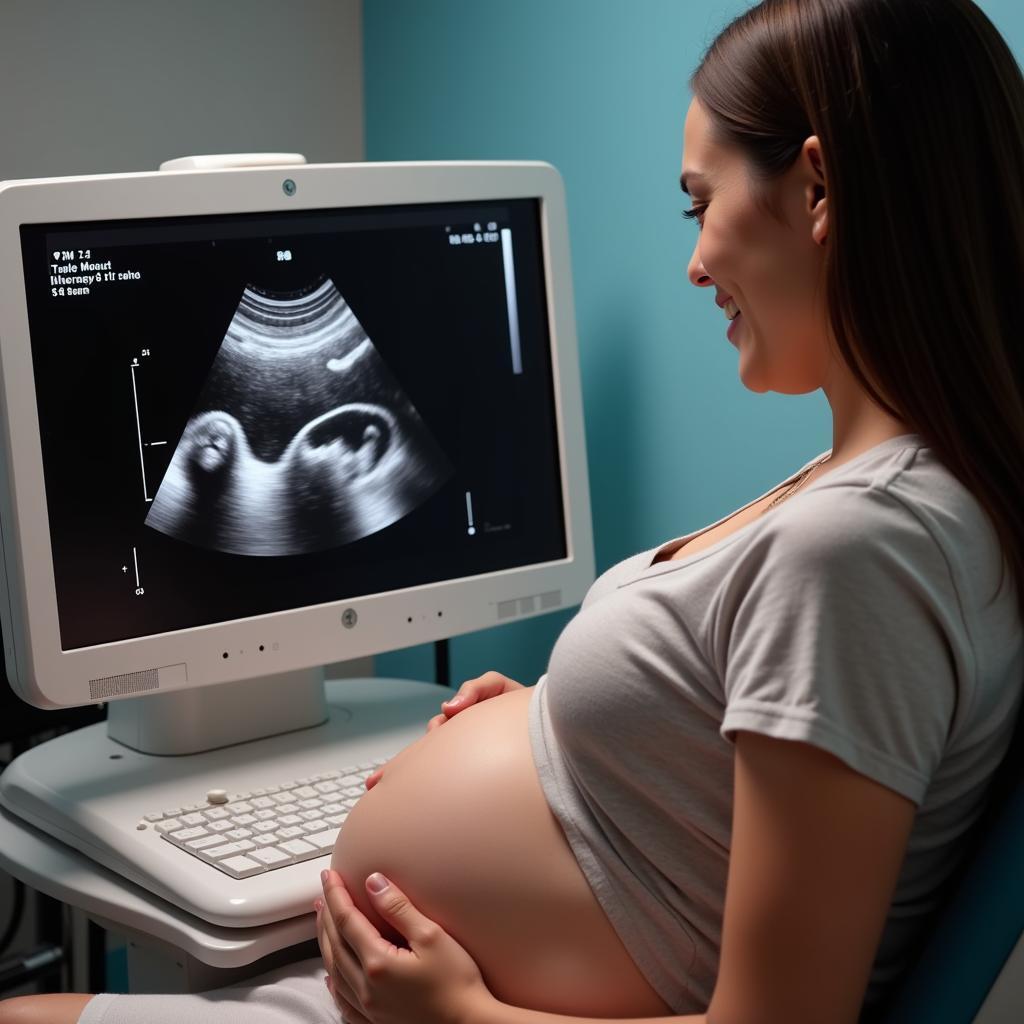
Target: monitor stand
209, 717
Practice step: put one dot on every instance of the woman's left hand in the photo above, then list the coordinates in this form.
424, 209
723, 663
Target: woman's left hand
372, 981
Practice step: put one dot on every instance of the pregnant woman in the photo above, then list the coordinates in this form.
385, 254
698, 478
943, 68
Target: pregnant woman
758, 749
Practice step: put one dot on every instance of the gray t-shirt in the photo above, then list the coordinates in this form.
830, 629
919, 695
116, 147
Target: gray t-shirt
855, 616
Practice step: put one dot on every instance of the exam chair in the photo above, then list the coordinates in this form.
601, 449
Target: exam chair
970, 969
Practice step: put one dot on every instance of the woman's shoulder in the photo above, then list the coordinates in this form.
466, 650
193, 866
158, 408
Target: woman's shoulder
897, 488
899, 507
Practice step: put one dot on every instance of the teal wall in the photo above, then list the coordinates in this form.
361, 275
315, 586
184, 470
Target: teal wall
598, 88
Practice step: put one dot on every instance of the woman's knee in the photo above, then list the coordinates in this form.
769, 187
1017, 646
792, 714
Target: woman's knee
62, 1008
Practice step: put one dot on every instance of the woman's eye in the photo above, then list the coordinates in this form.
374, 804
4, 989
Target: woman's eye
695, 213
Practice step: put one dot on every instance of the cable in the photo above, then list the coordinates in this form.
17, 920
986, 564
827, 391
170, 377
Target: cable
25, 967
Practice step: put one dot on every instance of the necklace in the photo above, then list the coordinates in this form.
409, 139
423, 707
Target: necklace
796, 484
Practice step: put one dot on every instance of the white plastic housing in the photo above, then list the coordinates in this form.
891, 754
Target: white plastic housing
47, 676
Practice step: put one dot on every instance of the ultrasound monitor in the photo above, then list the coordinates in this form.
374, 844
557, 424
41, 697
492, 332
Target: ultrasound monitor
260, 420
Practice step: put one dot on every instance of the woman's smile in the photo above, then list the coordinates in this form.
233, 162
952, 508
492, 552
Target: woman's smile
732, 326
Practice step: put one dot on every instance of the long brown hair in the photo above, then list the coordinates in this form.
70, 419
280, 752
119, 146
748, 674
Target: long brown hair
919, 107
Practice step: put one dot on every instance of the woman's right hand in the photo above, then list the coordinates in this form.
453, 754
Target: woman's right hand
472, 691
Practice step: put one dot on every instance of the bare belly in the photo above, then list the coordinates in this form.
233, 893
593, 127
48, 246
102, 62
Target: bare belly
460, 822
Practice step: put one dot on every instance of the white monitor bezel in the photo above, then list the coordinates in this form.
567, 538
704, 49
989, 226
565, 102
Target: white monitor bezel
43, 674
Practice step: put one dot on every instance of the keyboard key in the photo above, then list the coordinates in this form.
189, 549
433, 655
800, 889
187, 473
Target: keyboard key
183, 835
317, 825
238, 833
271, 856
216, 813
244, 819
240, 808
203, 842
304, 792
335, 819
263, 802
219, 826
326, 787
298, 848
193, 819
289, 819
322, 840
291, 832
241, 867
287, 808
227, 850
170, 825
311, 814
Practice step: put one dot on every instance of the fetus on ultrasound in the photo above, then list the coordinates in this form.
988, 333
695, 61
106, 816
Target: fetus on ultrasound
302, 438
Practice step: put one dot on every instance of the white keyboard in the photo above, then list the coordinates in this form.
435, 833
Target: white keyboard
245, 834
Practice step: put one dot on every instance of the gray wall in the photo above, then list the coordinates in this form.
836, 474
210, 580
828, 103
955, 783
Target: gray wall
122, 85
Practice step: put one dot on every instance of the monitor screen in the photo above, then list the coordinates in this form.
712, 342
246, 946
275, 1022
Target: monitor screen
251, 413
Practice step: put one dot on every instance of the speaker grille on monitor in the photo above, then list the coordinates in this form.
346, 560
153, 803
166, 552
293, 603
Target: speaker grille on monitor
129, 682
527, 605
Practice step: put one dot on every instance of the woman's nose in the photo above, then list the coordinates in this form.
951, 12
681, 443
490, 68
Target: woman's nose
696, 273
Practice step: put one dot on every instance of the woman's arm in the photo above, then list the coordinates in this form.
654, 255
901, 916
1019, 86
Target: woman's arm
816, 853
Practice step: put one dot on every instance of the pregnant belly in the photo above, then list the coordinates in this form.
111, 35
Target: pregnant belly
460, 822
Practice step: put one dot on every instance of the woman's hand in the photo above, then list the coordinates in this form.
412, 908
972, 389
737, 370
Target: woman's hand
472, 691
372, 981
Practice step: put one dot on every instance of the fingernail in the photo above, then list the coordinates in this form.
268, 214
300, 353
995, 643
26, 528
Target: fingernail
327, 981
377, 882
323, 877
318, 904
451, 703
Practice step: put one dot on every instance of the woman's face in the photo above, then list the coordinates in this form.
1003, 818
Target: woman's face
770, 270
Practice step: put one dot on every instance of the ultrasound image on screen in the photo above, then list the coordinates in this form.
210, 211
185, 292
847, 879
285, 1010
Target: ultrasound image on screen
251, 413
301, 439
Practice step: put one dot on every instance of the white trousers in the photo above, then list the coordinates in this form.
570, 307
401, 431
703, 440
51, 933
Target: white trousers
293, 994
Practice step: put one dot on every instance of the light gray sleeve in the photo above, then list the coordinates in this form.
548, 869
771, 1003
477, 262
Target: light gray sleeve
839, 632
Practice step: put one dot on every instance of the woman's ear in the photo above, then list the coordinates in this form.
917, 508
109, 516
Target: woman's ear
817, 200
819, 214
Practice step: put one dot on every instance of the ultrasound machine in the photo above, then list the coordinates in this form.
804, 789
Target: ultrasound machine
258, 417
